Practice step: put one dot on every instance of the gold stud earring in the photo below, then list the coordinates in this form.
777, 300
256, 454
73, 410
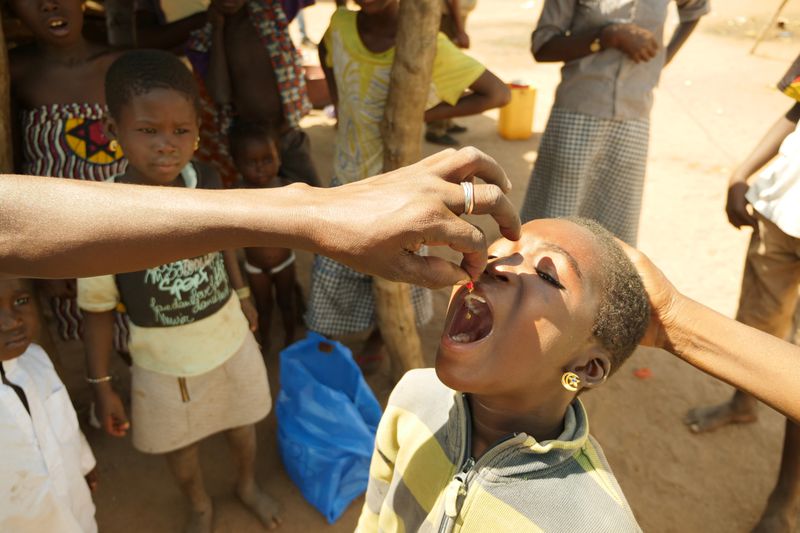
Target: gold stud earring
113, 146
570, 381
197, 143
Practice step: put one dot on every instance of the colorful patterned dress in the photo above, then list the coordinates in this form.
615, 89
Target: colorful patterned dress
68, 141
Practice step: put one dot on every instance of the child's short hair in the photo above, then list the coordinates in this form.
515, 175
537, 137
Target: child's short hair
138, 72
243, 130
624, 310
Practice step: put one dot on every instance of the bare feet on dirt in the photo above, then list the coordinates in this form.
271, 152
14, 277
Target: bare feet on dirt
704, 419
262, 505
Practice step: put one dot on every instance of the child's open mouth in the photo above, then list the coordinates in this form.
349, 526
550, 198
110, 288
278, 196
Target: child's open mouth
58, 26
472, 320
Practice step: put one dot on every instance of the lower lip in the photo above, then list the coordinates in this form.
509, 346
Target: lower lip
17, 342
61, 31
450, 344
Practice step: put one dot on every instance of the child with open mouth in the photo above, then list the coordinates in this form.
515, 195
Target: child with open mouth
494, 438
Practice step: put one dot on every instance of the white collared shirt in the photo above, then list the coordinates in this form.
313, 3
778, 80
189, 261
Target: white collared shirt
775, 193
43, 455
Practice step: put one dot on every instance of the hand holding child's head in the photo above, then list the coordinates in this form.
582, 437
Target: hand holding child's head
564, 298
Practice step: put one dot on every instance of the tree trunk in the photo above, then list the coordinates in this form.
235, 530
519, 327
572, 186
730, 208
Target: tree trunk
120, 23
401, 129
6, 154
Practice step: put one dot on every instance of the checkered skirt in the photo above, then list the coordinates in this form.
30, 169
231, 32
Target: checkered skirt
342, 302
590, 167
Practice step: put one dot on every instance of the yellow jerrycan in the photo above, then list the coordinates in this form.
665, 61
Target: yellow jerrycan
516, 118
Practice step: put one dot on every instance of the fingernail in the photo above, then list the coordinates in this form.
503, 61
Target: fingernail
508, 184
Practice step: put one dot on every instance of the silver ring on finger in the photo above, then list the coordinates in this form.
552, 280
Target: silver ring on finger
469, 197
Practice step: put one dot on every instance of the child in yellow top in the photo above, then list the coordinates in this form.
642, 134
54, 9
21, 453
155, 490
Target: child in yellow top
357, 53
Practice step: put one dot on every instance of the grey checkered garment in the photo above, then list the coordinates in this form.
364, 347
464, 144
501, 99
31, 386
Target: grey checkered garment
341, 300
590, 167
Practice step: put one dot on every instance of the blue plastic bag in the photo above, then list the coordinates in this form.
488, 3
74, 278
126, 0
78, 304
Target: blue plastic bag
327, 419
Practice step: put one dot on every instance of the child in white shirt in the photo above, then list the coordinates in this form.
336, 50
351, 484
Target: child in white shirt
46, 465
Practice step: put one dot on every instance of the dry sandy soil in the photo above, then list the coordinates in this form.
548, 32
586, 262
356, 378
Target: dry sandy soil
713, 104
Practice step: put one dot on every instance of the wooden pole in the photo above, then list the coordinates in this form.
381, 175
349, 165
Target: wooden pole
6, 153
401, 128
120, 23
769, 25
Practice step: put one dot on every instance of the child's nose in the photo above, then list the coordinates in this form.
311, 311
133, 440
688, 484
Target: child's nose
48, 5
165, 146
499, 268
9, 321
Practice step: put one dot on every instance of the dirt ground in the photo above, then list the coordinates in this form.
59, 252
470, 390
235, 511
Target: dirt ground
713, 104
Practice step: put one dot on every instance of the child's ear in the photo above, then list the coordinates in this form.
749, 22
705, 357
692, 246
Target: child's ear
109, 128
595, 367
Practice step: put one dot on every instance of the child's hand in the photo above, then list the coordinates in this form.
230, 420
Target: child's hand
250, 312
736, 207
462, 40
91, 479
634, 41
111, 412
662, 296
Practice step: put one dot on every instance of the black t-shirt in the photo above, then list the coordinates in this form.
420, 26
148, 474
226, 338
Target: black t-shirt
183, 291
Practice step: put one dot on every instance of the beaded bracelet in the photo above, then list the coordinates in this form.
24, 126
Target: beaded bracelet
95, 381
243, 293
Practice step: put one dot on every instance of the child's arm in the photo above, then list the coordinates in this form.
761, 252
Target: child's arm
461, 38
330, 80
765, 150
237, 283
98, 339
756, 362
488, 92
218, 79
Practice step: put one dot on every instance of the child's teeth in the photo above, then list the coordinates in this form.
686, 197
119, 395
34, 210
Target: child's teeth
461, 337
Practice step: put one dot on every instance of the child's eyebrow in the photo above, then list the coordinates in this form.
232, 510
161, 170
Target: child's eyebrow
553, 247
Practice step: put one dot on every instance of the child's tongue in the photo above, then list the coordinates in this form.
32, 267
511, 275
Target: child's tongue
472, 320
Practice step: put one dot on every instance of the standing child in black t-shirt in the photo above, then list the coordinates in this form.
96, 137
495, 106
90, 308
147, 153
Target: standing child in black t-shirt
197, 369
254, 148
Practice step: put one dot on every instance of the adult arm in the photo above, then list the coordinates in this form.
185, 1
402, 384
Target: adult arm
689, 13
70, 228
679, 37
765, 150
749, 359
637, 43
487, 92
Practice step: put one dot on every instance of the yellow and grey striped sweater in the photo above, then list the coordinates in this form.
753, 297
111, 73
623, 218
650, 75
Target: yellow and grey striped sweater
422, 478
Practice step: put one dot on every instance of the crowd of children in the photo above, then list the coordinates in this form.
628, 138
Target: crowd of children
495, 437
